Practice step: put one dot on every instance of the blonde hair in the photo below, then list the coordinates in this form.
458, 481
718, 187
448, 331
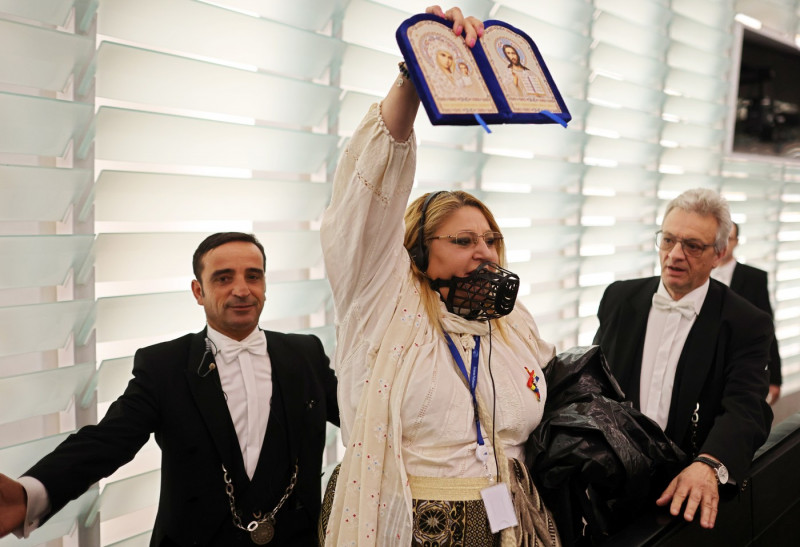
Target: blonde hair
438, 210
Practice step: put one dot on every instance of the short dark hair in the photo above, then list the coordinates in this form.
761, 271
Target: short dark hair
737, 229
221, 238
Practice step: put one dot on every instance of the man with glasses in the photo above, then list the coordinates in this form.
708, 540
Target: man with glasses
752, 284
692, 355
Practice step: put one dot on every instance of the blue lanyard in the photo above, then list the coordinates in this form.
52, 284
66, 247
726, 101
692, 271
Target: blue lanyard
472, 378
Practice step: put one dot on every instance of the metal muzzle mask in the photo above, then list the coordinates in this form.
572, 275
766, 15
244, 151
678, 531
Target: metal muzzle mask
489, 292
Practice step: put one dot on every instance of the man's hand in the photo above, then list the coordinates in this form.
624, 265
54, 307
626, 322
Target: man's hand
13, 504
774, 394
697, 485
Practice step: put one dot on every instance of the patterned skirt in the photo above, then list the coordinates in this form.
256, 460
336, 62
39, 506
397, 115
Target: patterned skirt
450, 512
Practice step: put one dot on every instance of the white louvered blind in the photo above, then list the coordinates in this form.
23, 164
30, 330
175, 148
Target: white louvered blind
129, 130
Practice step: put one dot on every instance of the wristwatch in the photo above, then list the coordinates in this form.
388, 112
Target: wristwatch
720, 470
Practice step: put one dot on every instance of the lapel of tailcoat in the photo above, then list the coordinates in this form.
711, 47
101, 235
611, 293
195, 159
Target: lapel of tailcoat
694, 364
210, 400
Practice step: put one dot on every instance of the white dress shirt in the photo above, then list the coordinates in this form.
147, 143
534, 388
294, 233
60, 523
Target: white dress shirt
247, 383
724, 273
663, 343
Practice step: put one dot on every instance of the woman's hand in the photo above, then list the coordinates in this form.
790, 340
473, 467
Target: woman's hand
472, 26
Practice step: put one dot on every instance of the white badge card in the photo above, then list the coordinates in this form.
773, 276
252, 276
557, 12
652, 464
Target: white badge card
499, 507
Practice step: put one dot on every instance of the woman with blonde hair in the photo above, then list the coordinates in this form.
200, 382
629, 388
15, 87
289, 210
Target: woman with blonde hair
440, 371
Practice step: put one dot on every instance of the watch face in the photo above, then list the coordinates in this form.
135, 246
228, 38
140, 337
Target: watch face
722, 474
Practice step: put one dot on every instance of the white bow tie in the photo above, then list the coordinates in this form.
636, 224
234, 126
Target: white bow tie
664, 303
256, 345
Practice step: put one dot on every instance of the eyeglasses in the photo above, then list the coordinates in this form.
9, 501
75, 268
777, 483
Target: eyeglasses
691, 247
470, 239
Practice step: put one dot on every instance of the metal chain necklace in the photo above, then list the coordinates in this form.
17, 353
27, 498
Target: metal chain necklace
261, 528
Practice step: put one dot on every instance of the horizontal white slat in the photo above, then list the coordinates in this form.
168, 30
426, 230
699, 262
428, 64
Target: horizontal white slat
628, 35
53, 12
41, 327
119, 318
38, 126
219, 34
169, 81
123, 196
544, 173
24, 186
130, 257
131, 136
39, 261
39, 57
18, 458
54, 389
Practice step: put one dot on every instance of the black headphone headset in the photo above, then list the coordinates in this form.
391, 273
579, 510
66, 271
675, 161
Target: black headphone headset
419, 254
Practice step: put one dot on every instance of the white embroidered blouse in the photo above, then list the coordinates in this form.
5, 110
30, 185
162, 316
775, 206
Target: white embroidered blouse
397, 377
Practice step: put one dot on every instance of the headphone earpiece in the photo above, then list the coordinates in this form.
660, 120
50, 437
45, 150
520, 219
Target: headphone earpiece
419, 254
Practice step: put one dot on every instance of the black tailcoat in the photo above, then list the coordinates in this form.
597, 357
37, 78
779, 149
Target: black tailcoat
174, 395
722, 367
751, 283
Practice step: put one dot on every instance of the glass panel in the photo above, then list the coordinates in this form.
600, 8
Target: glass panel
690, 58
554, 141
372, 25
444, 165
627, 65
696, 160
575, 15
141, 540
546, 270
629, 36
540, 205
112, 378
24, 187
18, 458
308, 14
54, 390
130, 257
695, 111
624, 122
625, 151
118, 318
50, 58
684, 134
713, 14
645, 13
123, 196
53, 12
629, 234
42, 127
610, 180
126, 496
630, 207
43, 327
696, 34
538, 173
215, 33
38, 261
631, 95
130, 74
127, 135
542, 239
698, 86
61, 524
367, 70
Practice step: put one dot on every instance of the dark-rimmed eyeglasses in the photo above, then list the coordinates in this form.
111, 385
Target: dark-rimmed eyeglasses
691, 247
470, 239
